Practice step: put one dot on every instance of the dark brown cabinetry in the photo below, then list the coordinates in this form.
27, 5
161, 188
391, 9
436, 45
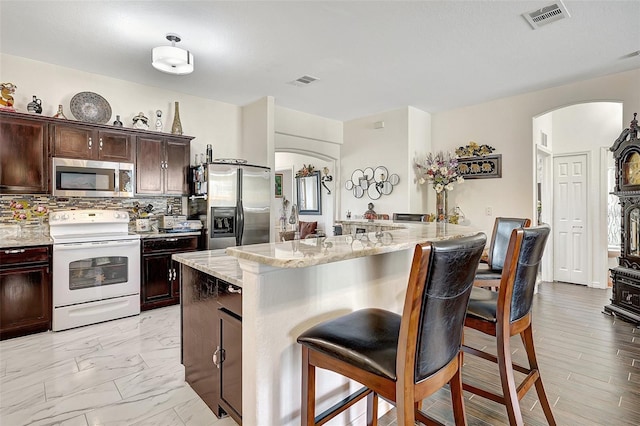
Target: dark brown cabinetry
25, 290
160, 281
162, 164
24, 163
212, 341
88, 143
625, 298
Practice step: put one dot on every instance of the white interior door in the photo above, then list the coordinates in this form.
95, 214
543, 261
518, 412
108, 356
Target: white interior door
571, 249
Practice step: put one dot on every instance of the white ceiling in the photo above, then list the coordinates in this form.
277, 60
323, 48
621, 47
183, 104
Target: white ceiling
369, 56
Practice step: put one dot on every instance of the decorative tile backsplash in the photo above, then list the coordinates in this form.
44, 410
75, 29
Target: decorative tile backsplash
64, 203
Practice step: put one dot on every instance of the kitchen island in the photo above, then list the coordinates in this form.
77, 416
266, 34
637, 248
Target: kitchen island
290, 286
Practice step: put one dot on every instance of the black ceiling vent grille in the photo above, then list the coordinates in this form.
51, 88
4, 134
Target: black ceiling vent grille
546, 15
303, 81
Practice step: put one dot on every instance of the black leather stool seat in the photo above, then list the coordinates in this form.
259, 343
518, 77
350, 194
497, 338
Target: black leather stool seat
483, 304
367, 339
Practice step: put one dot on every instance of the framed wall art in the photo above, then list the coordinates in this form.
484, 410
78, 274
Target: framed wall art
484, 167
278, 186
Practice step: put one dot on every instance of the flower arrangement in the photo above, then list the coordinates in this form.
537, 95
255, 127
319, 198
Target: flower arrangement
40, 210
20, 210
440, 170
306, 170
474, 150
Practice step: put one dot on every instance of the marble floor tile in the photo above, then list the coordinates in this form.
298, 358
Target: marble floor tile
140, 407
17, 399
196, 413
165, 418
36, 373
90, 377
151, 381
120, 373
61, 409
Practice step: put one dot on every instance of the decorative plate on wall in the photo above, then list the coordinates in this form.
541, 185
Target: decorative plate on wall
90, 108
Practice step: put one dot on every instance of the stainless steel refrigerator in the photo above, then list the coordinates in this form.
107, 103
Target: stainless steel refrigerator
238, 204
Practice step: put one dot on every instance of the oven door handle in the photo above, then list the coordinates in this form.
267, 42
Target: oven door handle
102, 244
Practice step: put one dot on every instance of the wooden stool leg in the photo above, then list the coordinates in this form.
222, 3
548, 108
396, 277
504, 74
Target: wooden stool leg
308, 407
372, 409
509, 389
527, 340
457, 397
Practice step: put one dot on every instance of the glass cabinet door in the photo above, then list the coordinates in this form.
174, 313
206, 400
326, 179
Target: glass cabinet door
633, 233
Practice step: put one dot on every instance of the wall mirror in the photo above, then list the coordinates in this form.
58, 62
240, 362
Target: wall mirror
308, 189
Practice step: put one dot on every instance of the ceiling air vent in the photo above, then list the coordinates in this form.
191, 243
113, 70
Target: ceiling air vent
546, 15
303, 81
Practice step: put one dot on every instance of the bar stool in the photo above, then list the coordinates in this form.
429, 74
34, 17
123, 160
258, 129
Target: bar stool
506, 313
489, 275
401, 358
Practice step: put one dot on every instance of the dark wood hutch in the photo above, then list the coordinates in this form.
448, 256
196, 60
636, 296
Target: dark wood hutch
625, 298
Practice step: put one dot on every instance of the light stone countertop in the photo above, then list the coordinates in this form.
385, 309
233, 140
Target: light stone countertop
213, 262
318, 251
30, 236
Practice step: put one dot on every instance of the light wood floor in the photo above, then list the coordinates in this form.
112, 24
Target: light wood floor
128, 372
589, 362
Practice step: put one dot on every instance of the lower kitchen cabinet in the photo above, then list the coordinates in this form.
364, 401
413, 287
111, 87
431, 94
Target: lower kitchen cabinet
25, 290
160, 280
211, 311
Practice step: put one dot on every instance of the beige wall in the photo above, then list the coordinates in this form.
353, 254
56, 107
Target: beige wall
506, 124
210, 121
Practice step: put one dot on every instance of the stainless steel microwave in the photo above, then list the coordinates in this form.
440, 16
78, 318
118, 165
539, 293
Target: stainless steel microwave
87, 178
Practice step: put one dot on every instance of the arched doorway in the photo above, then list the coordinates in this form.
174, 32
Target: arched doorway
586, 129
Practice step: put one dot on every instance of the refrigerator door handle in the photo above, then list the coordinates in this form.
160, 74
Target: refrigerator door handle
240, 222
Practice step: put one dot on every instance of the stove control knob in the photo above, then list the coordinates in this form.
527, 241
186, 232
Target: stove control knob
65, 216
55, 217
116, 215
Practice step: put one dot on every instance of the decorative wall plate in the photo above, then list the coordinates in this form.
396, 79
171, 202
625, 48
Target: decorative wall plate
90, 108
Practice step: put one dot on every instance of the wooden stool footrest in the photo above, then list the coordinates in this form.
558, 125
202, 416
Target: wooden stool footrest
340, 406
484, 393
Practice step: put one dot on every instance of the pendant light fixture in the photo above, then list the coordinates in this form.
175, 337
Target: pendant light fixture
172, 59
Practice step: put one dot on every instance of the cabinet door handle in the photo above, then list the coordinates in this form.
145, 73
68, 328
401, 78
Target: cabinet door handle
16, 251
90, 143
100, 144
218, 356
233, 289
174, 274
169, 277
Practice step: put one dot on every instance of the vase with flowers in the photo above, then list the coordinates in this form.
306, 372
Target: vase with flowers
21, 214
441, 172
40, 211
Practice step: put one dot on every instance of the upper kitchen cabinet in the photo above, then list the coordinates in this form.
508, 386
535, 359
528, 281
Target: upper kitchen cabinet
90, 143
162, 164
24, 161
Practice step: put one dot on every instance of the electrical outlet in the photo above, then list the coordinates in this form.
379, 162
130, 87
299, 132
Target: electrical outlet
488, 211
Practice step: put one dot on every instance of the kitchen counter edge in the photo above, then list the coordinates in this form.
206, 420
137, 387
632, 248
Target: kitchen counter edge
213, 262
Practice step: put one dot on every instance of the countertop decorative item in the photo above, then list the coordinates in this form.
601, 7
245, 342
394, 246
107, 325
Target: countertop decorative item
60, 114
158, 120
370, 214
6, 99
441, 171
117, 122
20, 213
140, 122
40, 211
35, 105
90, 108
176, 128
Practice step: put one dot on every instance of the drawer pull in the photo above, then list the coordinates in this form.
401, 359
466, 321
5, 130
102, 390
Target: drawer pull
16, 251
233, 289
171, 240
